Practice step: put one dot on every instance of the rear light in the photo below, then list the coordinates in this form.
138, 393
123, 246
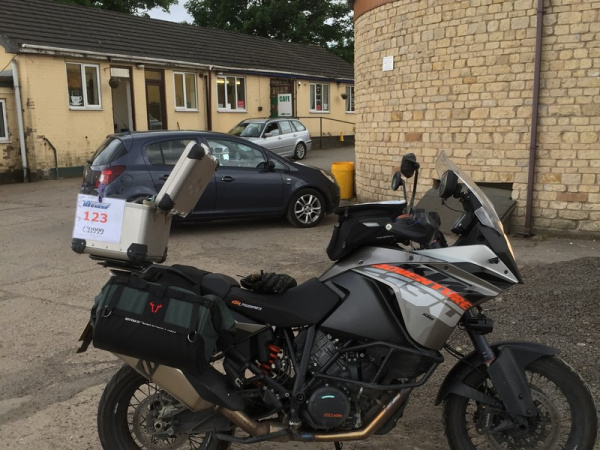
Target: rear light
109, 175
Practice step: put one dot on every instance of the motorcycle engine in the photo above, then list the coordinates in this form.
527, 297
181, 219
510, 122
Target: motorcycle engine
334, 404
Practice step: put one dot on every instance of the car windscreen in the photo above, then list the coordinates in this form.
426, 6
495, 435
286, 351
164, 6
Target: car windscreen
247, 129
110, 150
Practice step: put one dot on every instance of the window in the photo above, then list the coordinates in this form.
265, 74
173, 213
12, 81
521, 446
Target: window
185, 91
231, 94
234, 154
166, 153
3, 126
349, 99
298, 125
83, 81
285, 127
319, 98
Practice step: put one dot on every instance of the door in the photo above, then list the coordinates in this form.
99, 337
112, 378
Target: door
122, 99
243, 184
280, 86
155, 100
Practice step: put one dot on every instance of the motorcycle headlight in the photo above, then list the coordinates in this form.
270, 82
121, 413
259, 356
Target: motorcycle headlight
328, 175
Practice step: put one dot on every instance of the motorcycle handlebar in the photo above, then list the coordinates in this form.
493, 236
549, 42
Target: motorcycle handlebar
421, 227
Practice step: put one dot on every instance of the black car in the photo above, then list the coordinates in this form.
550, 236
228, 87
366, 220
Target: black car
250, 180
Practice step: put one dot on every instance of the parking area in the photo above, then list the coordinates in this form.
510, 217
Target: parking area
49, 394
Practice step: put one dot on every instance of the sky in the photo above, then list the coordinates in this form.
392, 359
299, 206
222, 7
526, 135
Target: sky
177, 13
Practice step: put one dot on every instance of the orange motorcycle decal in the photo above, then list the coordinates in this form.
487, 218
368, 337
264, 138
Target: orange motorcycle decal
449, 293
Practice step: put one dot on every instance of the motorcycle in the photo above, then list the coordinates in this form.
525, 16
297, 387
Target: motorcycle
336, 358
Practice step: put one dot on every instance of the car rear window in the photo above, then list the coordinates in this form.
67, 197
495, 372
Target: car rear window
110, 150
166, 153
298, 125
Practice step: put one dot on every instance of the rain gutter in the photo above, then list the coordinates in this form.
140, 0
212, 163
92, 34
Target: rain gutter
116, 57
533, 143
19, 109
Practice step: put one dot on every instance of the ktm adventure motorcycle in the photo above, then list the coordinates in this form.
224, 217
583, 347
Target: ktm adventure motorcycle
336, 358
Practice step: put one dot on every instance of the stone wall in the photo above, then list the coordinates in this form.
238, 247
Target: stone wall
462, 81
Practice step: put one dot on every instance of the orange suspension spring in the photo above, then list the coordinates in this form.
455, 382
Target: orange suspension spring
274, 352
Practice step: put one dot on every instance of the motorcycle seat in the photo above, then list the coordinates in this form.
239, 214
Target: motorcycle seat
306, 304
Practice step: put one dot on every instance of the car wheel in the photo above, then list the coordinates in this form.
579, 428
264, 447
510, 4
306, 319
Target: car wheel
306, 209
300, 151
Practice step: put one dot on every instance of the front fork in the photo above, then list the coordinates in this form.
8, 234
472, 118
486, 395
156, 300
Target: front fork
506, 369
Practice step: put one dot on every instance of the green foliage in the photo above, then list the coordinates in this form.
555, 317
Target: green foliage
124, 6
327, 23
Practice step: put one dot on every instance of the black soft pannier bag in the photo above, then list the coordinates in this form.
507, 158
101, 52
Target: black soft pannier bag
361, 225
160, 323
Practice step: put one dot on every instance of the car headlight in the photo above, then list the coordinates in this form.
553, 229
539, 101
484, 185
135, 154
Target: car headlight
328, 175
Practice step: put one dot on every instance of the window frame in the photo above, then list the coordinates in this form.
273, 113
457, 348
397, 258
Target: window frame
350, 100
313, 98
84, 90
184, 85
4, 139
226, 101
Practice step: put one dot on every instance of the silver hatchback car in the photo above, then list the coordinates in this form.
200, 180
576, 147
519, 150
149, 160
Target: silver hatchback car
286, 137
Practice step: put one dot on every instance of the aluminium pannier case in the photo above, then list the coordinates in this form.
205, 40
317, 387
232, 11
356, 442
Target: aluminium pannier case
160, 323
144, 237
142, 234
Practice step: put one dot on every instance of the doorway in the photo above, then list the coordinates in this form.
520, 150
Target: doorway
155, 100
281, 86
122, 99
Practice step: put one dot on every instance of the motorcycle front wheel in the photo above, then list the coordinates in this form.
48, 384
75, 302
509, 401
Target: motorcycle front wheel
566, 419
128, 413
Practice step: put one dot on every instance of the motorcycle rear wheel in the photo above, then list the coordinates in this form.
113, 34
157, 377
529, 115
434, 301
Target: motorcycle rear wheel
566, 420
125, 407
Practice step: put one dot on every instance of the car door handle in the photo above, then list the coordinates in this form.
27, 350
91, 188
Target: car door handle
227, 179
164, 177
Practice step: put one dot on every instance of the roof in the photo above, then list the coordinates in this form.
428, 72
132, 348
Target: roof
43, 26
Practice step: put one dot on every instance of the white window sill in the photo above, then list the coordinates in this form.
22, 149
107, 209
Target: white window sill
186, 109
85, 108
232, 110
318, 112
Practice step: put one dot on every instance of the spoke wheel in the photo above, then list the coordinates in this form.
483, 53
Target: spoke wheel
300, 151
135, 414
566, 416
306, 209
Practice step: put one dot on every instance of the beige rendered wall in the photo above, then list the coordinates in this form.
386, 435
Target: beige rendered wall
462, 81
333, 123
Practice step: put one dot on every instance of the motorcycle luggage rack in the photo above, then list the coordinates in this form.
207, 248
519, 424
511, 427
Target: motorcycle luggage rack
129, 266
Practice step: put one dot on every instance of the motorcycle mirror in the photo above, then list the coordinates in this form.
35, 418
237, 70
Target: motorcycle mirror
448, 185
409, 165
397, 181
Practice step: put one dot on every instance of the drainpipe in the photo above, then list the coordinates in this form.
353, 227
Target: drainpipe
19, 108
534, 118
207, 87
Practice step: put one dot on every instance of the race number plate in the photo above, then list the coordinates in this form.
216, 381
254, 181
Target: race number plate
99, 221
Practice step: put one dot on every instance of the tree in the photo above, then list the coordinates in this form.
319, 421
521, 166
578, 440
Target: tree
125, 6
327, 23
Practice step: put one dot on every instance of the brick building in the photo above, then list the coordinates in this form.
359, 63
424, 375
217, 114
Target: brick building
460, 76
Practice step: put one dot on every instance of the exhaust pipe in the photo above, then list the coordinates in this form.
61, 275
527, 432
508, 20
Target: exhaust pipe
257, 429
